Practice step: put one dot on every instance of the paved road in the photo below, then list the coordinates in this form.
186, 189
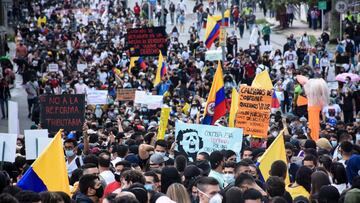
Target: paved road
277, 40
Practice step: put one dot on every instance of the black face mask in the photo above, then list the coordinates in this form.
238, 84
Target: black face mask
117, 177
100, 192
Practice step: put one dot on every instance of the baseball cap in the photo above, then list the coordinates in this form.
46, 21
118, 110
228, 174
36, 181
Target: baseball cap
156, 159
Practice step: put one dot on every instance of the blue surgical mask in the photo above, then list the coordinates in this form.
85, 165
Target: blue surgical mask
69, 153
161, 153
149, 187
334, 143
229, 178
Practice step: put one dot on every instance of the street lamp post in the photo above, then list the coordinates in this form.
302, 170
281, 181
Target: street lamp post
162, 13
222, 27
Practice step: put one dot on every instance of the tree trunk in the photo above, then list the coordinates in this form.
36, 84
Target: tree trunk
335, 22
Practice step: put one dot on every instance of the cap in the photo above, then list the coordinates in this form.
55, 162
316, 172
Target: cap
132, 158
324, 143
156, 159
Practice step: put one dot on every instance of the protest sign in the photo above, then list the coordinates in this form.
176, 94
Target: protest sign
8, 147
164, 118
254, 110
213, 55
151, 101
147, 41
95, 97
125, 94
81, 67
13, 121
65, 111
35, 142
193, 138
53, 67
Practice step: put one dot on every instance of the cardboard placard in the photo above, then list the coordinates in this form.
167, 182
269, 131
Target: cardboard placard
35, 142
81, 67
193, 138
62, 112
125, 94
8, 141
147, 41
253, 113
53, 67
95, 97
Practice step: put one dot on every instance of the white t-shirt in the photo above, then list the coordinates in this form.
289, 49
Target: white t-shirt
290, 57
80, 88
331, 111
108, 176
72, 166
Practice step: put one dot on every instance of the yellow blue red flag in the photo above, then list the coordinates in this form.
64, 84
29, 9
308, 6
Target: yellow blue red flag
161, 70
212, 31
48, 172
218, 18
215, 105
276, 151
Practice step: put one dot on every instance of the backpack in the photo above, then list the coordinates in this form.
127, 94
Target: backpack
349, 47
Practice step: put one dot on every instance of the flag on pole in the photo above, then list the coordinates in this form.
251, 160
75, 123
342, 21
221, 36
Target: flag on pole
276, 151
161, 69
218, 18
48, 172
215, 105
234, 107
263, 81
274, 101
212, 31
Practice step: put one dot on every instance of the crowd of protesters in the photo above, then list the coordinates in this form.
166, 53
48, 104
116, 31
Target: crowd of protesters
117, 158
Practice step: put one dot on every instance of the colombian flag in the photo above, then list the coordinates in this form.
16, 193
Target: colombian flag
274, 101
215, 105
48, 172
212, 31
218, 18
276, 151
161, 70
142, 63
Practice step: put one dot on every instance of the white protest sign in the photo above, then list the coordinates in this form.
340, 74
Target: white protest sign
8, 147
95, 97
35, 142
151, 101
81, 67
213, 55
193, 138
13, 122
53, 67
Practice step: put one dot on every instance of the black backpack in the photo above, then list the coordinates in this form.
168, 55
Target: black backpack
349, 47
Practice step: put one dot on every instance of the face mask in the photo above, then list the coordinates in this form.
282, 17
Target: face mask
272, 120
161, 153
69, 153
149, 187
357, 138
334, 143
216, 199
358, 120
274, 133
100, 192
229, 178
81, 81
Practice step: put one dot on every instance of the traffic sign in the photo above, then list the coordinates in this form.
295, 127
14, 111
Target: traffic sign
341, 6
322, 5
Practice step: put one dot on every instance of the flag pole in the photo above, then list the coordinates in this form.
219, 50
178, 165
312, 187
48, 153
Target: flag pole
223, 27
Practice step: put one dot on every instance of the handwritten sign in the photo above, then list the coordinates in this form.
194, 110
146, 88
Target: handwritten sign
62, 111
147, 41
194, 138
213, 55
125, 94
254, 110
95, 97
53, 67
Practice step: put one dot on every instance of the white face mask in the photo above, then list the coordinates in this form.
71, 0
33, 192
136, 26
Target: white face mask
216, 198
229, 178
357, 138
161, 153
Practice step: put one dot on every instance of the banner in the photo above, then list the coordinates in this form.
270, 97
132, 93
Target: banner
254, 110
193, 138
8, 147
213, 55
164, 118
151, 101
35, 142
95, 97
147, 41
62, 112
125, 94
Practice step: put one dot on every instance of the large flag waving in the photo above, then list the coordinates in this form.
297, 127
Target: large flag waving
212, 31
48, 172
234, 107
262, 80
215, 104
161, 70
276, 151
218, 18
